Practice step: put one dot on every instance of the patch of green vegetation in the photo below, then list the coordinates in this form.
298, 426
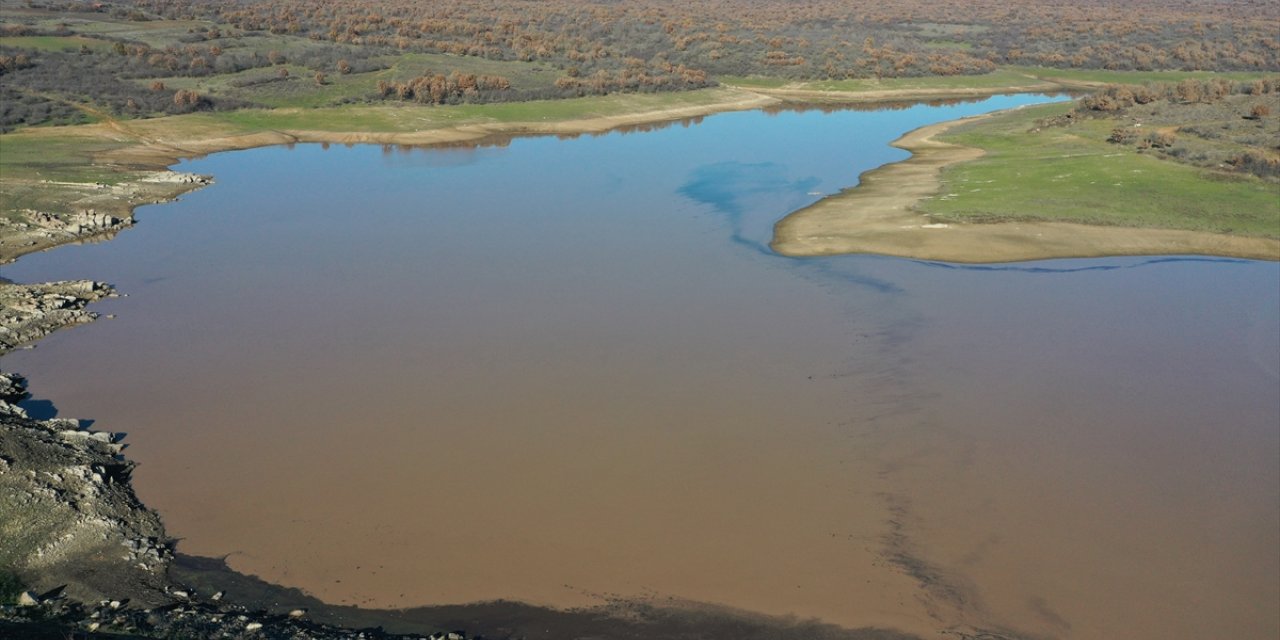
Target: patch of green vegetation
154, 33
949, 45
1070, 174
947, 28
10, 587
263, 86
592, 106
299, 89
55, 43
49, 154
412, 117
995, 79
753, 82
354, 118
523, 75
1011, 77
1130, 77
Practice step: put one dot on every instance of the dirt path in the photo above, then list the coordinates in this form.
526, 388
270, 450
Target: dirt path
878, 216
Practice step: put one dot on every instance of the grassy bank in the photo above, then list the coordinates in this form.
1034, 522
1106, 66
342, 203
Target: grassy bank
1011, 187
1072, 174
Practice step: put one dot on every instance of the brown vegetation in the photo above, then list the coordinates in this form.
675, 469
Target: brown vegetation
601, 46
1197, 122
819, 39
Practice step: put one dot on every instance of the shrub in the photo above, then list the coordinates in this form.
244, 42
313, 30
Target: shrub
1161, 139
1123, 135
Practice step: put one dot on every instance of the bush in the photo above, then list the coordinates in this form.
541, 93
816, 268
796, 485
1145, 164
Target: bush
10, 588
1161, 139
1123, 135
1259, 163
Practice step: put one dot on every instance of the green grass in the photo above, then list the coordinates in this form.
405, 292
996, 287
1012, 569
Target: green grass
1131, 77
994, 80
300, 90
155, 33
753, 82
523, 75
411, 117
50, 154
1073, 175
1002, 77
949, 45
54, 43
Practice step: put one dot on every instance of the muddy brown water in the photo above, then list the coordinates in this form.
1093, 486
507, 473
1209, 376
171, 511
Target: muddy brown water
568, 370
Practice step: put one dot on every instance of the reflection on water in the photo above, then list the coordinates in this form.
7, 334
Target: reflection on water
561, 370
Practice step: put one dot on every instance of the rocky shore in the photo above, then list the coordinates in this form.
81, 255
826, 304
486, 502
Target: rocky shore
29, 312
89, 212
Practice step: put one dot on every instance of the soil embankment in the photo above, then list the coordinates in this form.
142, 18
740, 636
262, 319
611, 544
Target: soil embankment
878, 216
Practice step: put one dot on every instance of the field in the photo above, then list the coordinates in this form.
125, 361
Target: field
1011, 77
1033, 172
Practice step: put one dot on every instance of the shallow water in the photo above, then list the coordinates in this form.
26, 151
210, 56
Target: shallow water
560, 370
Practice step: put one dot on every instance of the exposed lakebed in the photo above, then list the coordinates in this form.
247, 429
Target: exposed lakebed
561, 370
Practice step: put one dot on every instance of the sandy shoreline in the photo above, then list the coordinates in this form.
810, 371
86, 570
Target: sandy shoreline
878, 216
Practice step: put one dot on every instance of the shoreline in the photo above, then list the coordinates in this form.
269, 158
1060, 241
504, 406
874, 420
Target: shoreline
878, 216
100, 211
934, 156
875, 216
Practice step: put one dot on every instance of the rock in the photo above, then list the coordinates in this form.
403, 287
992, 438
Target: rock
297, 613
217, 596
27, 599
253, 626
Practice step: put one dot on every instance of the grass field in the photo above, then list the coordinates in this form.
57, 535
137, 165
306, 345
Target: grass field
1073, 175
1130, 77
261, 86
54, 43
998, 78
1002, 77
410, 117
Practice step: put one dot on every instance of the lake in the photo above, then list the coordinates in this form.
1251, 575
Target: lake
562, 370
